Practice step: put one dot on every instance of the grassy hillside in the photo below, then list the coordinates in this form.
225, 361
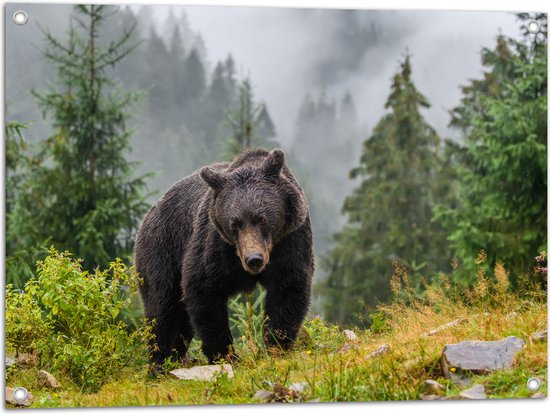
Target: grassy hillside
336, 368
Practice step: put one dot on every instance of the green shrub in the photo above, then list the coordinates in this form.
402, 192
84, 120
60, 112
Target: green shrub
247, 319
71, 319
324, 335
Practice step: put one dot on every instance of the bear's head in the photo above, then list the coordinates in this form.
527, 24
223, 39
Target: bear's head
256, 203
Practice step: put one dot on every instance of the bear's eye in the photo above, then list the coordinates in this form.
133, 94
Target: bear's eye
259, 221
236, 225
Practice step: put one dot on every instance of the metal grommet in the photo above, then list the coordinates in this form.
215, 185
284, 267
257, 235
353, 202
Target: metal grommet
20, 394
20, 17
533, 384
533, 26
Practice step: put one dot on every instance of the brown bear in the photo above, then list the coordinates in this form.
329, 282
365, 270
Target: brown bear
218, 232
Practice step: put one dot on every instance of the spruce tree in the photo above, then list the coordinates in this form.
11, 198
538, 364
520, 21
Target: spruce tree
158, 80
219, 99
82, 194
390, 211
176, 56
502, 205
250, 122
194, 86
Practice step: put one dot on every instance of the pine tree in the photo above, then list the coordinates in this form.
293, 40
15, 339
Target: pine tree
219, 99
250, 122
158, 79
175, 68
502, 205
230, 72
118, 21
390, 211
82, 195
194, 75
194, 88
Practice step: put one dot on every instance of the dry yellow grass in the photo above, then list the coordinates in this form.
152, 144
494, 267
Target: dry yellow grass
339, 372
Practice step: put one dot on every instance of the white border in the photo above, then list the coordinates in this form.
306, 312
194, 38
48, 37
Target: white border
412, 407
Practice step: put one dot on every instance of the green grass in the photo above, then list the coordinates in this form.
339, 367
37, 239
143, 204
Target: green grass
331, 375
489, 312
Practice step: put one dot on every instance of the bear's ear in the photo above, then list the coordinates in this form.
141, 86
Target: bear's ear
273, 163
215, 180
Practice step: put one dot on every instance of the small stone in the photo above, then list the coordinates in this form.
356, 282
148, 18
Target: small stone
540, 336
350, 335
443, 327
26, 360
202, 372
477, 392
13, 401
479, 357
9, 361
538, 395
433, 387
346, 347
381, 350
299, 386
48, 380
263, 395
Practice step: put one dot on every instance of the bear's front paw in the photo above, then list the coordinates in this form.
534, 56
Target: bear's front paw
229, 357
274, 337
232, 358
155, 369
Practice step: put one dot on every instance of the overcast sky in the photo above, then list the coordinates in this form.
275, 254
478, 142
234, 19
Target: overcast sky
278, 47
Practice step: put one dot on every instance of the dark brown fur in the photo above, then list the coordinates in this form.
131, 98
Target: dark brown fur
218, 232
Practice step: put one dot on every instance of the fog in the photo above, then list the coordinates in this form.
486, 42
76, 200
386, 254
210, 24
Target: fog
288, 54
282, 49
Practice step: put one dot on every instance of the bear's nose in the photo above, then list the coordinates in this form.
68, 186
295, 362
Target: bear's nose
255, 260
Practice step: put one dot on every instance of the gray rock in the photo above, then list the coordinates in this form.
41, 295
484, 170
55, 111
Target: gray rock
477, 392
202, 372
13, 401
346, 348
479, 357
299, 386
540, 336
350, 335
48, 380
9, 361
381, 350
538, 395
432, 387
263, 395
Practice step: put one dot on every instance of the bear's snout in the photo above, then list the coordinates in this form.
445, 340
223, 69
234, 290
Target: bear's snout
254, 261
252, 250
